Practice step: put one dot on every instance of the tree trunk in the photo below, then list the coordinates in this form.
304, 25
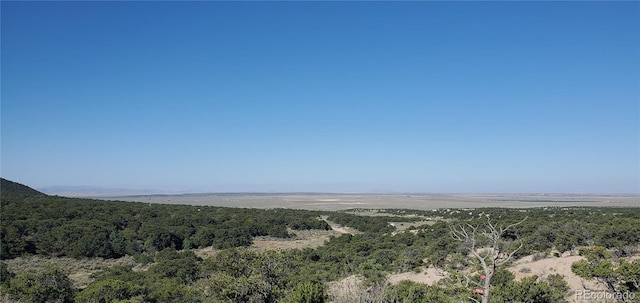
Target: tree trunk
487, 283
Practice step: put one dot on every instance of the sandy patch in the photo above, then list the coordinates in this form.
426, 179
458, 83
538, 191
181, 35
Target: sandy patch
428, 276
523, 267
526, 267
205, 252
339, 228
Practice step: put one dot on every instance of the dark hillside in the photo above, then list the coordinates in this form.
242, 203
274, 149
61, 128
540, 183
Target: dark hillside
11, 190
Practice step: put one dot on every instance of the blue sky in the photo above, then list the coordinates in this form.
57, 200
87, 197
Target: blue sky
323, 96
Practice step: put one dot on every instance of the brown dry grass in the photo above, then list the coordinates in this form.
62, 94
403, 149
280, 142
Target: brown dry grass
78, 270
302, 239
352, 290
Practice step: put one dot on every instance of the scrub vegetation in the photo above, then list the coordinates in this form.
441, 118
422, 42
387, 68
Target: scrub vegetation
161, 245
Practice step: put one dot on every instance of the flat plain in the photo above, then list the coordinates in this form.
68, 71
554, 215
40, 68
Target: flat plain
342, 201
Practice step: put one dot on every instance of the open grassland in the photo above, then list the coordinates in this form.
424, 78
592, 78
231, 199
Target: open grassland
331, 202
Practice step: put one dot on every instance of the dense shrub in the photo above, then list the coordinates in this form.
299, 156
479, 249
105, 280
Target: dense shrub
49, 285
35, 223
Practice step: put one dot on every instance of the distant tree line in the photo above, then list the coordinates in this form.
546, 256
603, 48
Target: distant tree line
377, 224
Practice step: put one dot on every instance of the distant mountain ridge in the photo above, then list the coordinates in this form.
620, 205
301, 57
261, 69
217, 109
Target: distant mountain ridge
14, 190
93, 191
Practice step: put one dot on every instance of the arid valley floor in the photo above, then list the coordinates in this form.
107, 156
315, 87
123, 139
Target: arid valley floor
341, 201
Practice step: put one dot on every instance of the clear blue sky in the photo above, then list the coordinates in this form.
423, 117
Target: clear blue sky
323, 96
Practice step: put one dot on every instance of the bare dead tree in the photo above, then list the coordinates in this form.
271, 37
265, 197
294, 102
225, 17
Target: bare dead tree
485, 246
